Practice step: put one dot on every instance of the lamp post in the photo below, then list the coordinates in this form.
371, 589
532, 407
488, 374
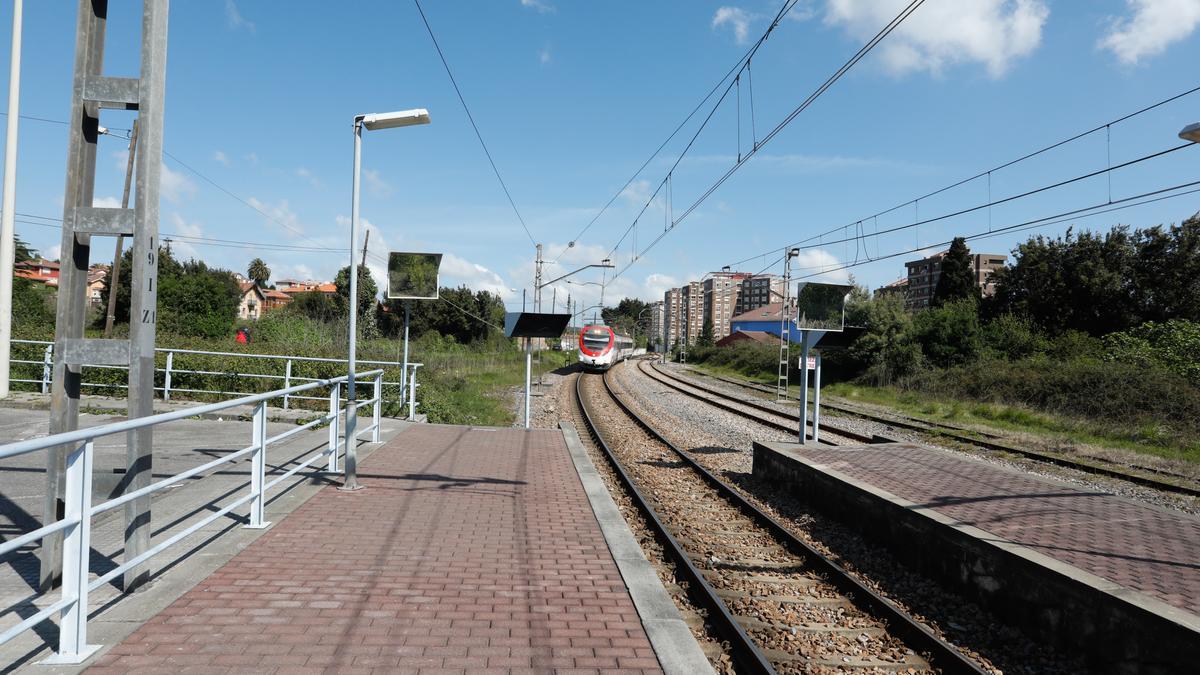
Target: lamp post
372, 122
9, 198
1191, 133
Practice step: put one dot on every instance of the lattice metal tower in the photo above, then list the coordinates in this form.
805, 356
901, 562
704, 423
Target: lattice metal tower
92, 92
785, 325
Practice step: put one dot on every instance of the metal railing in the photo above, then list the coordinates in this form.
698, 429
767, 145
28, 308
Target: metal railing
407, 384
76, 522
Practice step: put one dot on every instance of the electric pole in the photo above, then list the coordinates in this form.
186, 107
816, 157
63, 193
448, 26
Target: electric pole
114, 273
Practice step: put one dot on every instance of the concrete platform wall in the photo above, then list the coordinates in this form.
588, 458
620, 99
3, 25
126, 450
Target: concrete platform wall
1117, 629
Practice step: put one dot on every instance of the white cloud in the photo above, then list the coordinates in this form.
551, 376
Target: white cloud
544, 55
539, 5
281, 213
376, 185
637, 193
1153, 26
106, 202
815, 261
179, 248
54, 252
942, 34
175, 186
307, 175
252, 158
220, 158
737, 19
234, 17
455, 271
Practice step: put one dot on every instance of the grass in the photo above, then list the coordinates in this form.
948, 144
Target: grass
1055, 430
1146, 439
482, 395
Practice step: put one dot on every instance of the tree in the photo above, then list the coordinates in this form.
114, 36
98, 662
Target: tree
706, 334
957, 279
193, 298
447, 316
949, 335
21, 251
258, 272
317, 306
887, 350
367, 290
624, 315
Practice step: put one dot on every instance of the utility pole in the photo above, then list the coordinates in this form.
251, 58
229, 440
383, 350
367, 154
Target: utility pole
785, 333
114, 273
366, 240
7, 231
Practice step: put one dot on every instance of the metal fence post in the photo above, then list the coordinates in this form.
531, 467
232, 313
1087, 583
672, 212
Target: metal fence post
77, 546
335, 395
258, 467
47, 364
287, 382
412, 395
378, 408
167, 379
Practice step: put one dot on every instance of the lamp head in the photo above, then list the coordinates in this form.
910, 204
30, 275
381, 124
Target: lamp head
1191, 133
400, 118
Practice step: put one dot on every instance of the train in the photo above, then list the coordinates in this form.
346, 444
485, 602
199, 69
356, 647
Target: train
601, 348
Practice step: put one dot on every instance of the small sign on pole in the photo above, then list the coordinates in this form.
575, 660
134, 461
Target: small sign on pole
533, 325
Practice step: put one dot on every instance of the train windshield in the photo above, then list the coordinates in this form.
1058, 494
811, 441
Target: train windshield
596, 338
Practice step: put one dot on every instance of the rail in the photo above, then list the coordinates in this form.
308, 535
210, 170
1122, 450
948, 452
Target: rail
76, 522
407, 384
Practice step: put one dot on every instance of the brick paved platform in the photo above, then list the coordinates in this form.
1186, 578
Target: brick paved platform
1068, 559
470, 550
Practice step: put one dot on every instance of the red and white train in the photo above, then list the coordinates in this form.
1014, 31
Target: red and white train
601, 348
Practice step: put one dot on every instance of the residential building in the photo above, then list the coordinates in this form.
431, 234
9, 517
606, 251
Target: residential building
758, 290
97, 278
765, 319
657, 324
672, 316
252, 302
721, 291
275, 299
923, 276
693, 312
38, 269
755, 336
898, 287
291, 287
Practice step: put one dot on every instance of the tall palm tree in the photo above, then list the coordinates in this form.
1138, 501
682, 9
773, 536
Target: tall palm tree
258, 272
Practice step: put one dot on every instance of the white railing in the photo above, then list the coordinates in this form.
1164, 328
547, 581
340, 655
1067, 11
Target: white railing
407, 383
76, 523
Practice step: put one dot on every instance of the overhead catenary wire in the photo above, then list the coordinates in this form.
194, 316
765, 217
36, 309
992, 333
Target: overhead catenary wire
804, 105
742, 63
1003, 165
474, 126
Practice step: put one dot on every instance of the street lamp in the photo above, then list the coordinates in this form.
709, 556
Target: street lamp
372, 122
1191, 133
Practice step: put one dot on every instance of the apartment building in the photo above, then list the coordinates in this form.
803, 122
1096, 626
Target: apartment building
672, 316
923, 276
758, 290
721, 291
692, 306
657, 324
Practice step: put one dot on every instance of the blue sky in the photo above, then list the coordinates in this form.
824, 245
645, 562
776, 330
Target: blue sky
572, 97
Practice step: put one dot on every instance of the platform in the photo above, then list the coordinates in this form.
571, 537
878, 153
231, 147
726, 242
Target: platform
1089, 570
468, 549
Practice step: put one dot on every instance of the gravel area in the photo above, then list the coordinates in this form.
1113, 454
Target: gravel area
721, 441
1080, 479
801, 621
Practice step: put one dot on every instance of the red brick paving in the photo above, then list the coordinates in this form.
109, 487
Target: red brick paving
470, 550
1141, 547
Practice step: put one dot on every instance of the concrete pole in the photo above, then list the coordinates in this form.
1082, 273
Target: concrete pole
803, 386
528, 366
114, 272
404, 373
351, 480
817, 399
7, 245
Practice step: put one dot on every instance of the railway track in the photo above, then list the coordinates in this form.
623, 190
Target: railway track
946, 431
779, 604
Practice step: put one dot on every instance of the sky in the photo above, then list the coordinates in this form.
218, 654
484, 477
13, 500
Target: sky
572, 97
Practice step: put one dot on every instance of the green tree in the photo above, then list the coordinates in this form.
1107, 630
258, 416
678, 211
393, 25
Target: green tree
1166, 272
193, 298
624, 315
367, 290
706, 334
258, 272
949, 335
32, 308
957, 278
317, 306
21, 251
887, 350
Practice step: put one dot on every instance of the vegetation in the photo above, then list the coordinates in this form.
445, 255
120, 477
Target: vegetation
258, 272
1099, 334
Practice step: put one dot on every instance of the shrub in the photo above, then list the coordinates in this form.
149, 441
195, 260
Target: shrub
1012, 338
949, 335
1172, 346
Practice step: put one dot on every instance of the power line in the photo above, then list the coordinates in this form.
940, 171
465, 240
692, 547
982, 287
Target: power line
1084, 212
988, 172
804, 105
742, 63
474, 126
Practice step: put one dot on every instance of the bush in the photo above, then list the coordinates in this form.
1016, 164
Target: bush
1111, 395
1173, 346
1012, 338
887, 349
949, 335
